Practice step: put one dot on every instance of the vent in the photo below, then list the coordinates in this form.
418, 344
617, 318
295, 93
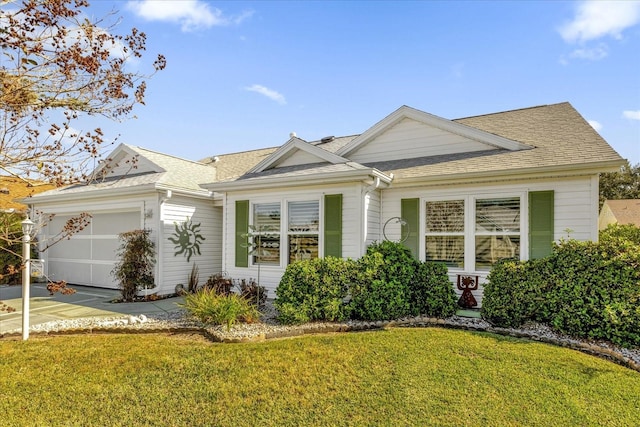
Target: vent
4, 190
327, 139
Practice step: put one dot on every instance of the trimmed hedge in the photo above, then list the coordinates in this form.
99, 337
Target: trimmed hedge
386, 283
382, 290
584, 289
314, 290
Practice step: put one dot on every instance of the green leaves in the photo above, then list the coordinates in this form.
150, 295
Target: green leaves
584, 289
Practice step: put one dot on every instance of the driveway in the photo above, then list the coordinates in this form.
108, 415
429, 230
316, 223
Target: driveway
86, 302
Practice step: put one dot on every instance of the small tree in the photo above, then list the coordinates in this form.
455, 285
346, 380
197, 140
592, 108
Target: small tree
58, 67
135, 269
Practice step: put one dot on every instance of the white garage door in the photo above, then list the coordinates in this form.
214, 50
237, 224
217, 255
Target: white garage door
89, 256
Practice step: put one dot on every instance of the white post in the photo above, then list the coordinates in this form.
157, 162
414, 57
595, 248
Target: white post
27, 226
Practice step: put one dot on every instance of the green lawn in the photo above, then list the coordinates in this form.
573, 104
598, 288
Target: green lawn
393, 377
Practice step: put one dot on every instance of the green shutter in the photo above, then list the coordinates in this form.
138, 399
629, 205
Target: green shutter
242, 233
333, 225
540, 223
410, 212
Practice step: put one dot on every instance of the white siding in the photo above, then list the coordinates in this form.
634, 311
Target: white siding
300, 157
372, 225
352, 230
575, 209
127, 165
175, 268
410, 139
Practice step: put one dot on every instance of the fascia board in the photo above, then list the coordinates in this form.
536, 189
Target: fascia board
434, 121
329, 178
289, 148
525, 173
112, 192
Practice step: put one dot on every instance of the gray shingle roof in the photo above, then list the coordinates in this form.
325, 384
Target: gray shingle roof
561, 137
172, 172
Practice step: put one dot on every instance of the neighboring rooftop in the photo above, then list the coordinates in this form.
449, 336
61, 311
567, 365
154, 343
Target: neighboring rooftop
12, 188
623, 212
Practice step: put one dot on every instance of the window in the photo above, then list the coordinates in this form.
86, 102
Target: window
470, 233
444, 239
302, 232
266, 233
497, 230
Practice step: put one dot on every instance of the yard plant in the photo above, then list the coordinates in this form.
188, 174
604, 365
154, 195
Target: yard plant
583, 289
134, 269
386, 283
432, 376
211, 307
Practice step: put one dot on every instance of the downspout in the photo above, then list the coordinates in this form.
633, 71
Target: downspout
159, 265
365, 212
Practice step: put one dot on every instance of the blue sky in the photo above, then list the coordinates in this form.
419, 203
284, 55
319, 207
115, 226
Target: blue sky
243, 75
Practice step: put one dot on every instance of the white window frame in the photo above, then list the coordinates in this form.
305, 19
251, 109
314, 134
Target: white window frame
283, 233
469, 224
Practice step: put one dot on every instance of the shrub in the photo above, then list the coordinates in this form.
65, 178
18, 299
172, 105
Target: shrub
627, 232
431, 291
193, 279
135, 269
514, 292
584, 289
314, 289
219, 283
252, 292
210, 307
382, 289
595, 290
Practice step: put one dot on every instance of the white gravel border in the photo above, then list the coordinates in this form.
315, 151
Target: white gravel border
268, 328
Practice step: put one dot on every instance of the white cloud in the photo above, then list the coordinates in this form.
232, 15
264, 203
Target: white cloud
592, 54
596, 19
269, 93
631, 115
190, 14
596, 125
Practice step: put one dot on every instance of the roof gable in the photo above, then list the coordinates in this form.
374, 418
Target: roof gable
297, 152
409, 133
126, 160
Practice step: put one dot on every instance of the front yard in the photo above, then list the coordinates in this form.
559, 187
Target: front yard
392, 377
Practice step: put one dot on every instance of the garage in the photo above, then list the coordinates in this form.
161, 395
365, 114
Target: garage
88, 257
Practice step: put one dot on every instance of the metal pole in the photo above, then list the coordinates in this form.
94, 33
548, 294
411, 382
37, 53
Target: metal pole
26, 278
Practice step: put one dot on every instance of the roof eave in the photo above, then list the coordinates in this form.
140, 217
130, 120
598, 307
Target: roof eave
525, 173
279, 182
106, 192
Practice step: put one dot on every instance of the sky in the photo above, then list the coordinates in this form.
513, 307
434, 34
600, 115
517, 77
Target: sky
244, 75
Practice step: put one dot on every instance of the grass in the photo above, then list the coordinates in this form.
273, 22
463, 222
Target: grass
395, 377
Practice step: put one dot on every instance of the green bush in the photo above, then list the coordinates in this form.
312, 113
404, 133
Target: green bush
431, 292
314, 290
514, 292
595, 290
382, 289
626, 232
584, 289
210, 307
135, 267
11, 248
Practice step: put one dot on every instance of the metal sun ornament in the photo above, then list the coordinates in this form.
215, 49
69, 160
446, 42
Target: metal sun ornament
187, 239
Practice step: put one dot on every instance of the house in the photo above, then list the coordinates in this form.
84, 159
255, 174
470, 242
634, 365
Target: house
137, 189
466, 192
626, 211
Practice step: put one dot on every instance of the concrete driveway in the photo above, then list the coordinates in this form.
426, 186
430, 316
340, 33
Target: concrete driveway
86, 302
